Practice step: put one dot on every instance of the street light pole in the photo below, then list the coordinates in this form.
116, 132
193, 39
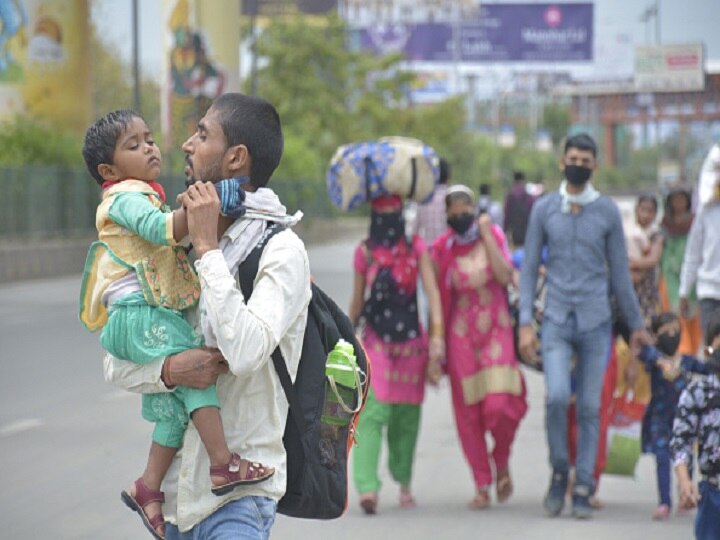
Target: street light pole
137, 105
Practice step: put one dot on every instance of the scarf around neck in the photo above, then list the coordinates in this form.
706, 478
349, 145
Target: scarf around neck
588, 195
263, 206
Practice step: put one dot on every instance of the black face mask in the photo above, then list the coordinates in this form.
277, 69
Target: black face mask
386, 229
668, 343
460, 224
577, 175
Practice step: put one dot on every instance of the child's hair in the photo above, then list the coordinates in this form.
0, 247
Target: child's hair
101, 139
712, 328
662, 319
254, 122
647, 197
581, 141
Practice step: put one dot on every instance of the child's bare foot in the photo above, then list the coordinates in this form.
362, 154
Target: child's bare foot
481, 501
238, 472
148, 504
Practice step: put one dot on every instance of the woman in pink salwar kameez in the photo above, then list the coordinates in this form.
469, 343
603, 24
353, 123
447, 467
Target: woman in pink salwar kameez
488, 390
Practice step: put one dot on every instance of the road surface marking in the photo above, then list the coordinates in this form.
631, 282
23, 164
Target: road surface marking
20, 426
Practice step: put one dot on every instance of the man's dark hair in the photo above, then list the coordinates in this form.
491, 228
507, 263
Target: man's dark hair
712, 327
484, 189
518, 176
581, 141
661, 319
444, 171
254, 122
101, 139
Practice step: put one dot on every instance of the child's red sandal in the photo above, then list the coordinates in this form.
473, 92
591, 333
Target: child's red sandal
231, 472
143, 497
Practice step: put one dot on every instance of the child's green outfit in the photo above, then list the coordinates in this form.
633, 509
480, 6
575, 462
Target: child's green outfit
135, 285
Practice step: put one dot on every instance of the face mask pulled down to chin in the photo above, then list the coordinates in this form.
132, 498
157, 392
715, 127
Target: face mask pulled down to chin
577, 175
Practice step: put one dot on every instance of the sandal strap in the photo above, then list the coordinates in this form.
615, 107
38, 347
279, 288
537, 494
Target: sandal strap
156, 521
231, 470
144, 495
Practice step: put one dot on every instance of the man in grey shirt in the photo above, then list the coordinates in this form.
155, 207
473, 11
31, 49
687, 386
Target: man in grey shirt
586, 262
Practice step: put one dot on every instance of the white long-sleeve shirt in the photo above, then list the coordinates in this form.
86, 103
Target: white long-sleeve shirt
701, 264
253, 405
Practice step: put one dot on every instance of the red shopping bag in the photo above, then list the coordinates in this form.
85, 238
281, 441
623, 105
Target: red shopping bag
623, 435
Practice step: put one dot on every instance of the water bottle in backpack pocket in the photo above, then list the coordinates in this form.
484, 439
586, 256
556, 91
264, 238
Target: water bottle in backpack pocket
343, 385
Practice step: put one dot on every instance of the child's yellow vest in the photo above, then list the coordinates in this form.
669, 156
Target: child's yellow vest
164, 272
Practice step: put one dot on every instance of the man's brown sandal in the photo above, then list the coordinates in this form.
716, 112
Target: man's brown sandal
254, 473
143, 497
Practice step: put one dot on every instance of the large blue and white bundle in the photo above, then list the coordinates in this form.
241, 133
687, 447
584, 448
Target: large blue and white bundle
360, 172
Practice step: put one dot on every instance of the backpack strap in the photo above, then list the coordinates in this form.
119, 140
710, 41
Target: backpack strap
247, 271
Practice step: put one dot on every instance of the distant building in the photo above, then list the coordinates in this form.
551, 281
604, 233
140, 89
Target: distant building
618, 113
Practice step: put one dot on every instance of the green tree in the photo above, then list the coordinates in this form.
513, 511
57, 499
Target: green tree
326, 94
556, 120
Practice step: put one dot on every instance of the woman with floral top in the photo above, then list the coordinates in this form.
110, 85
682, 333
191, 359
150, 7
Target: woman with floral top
488, 390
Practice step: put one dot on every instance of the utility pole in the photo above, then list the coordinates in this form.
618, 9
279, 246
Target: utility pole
252, 10
137, 105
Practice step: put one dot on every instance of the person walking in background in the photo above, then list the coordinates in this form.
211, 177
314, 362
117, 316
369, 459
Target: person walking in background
429, 220
586, 259
675, 228
384, 298
429, 223
488, 390
518, 204
669, 372
698, 421
487, 204
645, 246
702, 260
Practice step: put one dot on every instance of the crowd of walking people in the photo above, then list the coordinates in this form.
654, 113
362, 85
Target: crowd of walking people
219, 464
622, 305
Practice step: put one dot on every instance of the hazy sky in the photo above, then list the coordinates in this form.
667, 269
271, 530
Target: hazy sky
681, 21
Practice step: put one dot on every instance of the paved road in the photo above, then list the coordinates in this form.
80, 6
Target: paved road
69, 443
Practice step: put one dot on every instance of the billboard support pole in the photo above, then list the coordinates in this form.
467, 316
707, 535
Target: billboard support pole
137, 105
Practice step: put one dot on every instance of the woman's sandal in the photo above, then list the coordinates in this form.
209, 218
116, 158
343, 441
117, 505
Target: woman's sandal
481, 501
254, 473
143, 497
407, 501
368, 502
503, 486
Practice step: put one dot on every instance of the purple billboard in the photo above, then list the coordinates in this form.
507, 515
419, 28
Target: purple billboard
502, 33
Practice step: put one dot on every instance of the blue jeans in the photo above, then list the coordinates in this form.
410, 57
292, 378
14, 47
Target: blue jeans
707, 519
249, 518
591, 347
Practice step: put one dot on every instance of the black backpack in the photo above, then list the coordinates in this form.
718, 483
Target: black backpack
317, 453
